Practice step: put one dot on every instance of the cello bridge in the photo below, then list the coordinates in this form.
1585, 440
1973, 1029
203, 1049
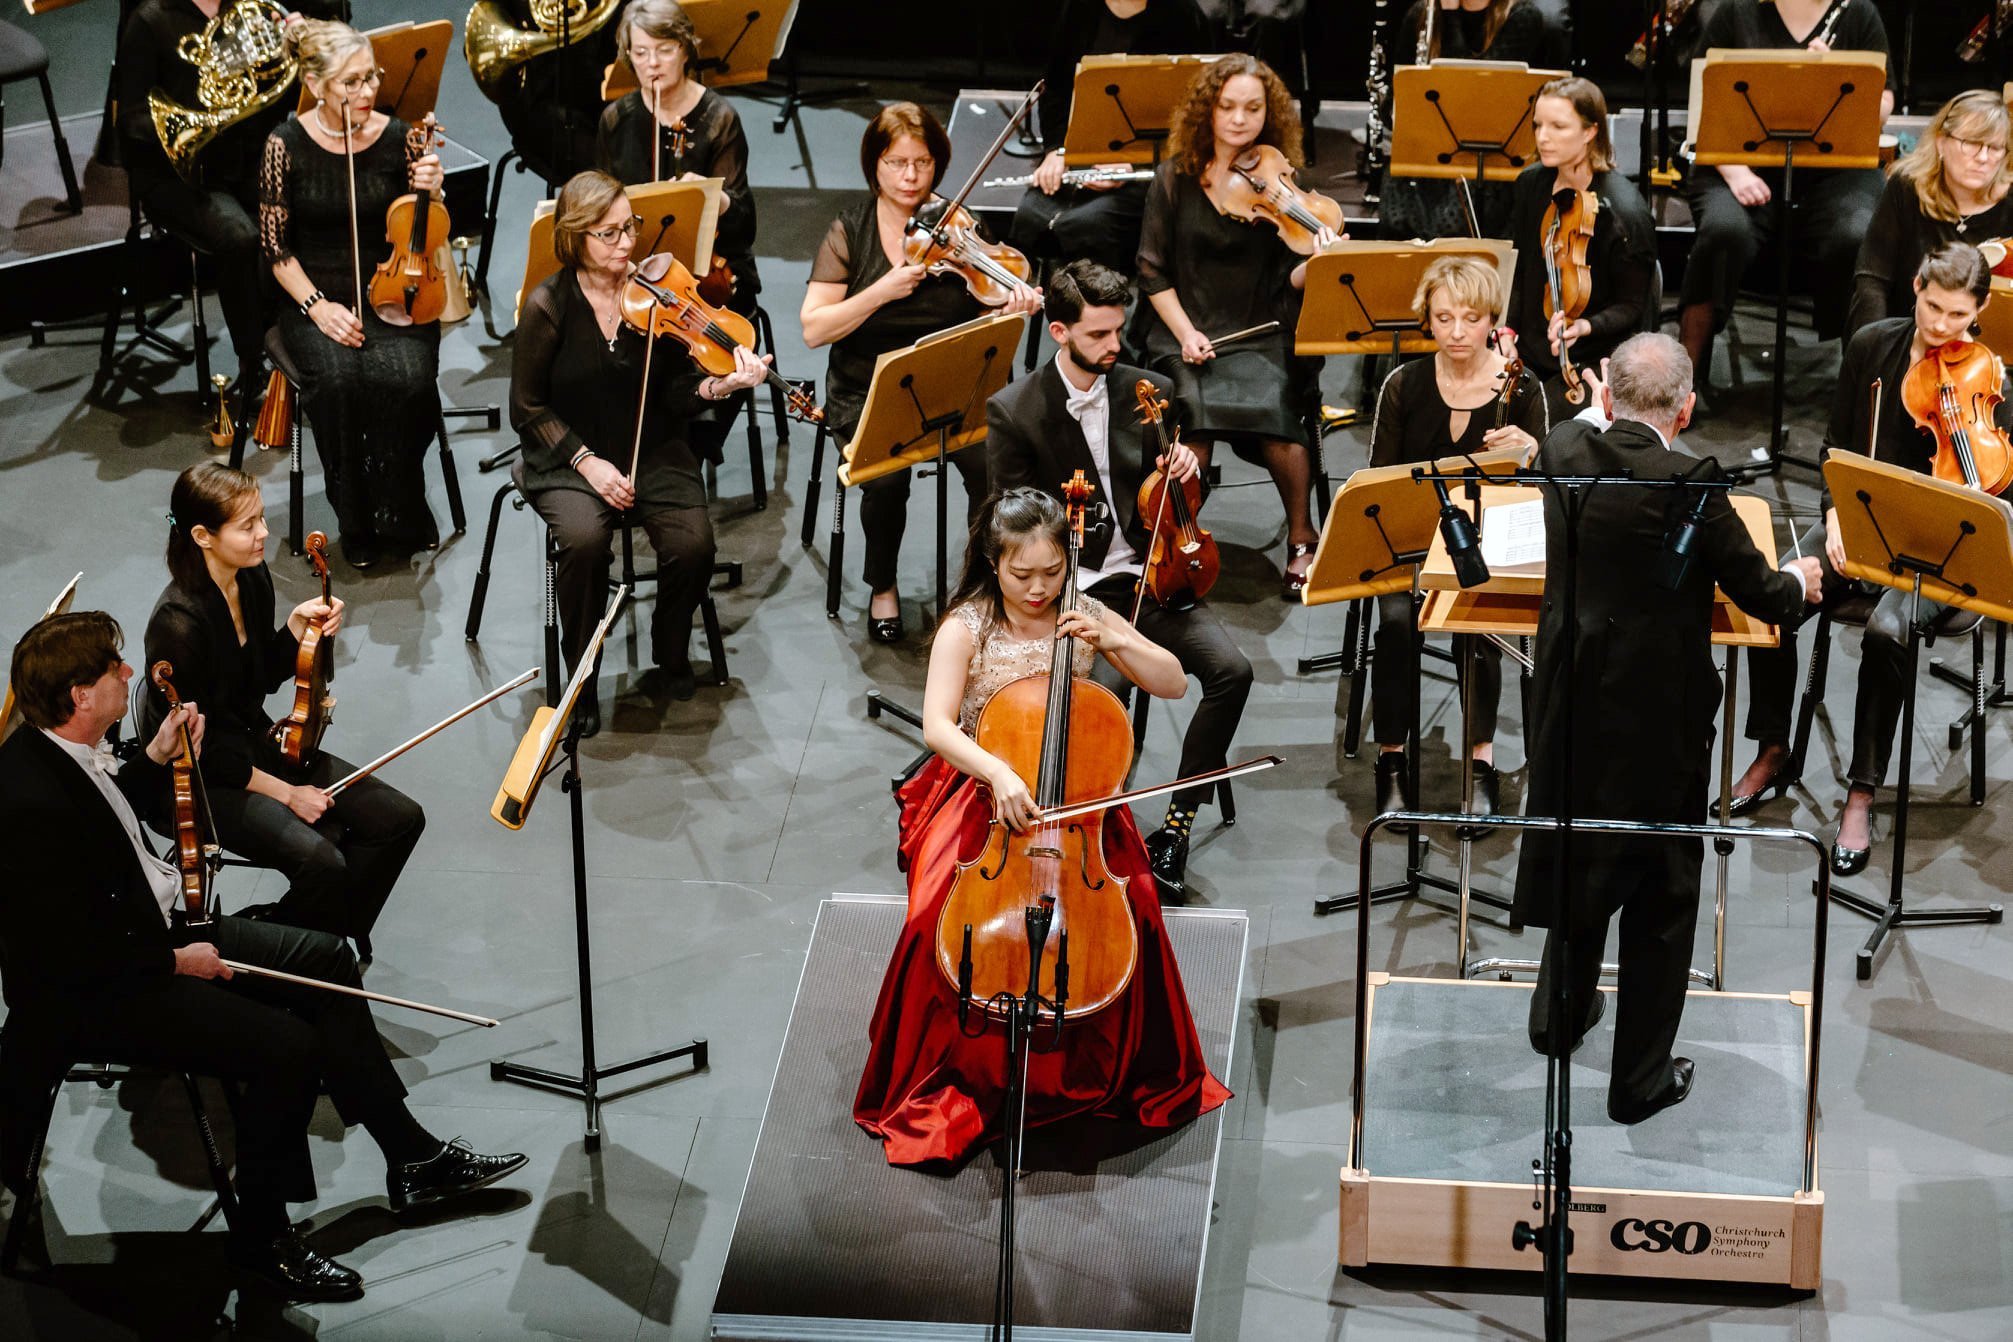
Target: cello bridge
1045, 851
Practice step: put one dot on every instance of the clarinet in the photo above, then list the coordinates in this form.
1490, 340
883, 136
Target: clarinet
1830, 24
1378, 86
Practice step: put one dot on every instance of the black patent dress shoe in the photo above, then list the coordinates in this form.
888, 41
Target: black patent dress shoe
1167, 856
291, 1266
887, 630
1487, 799
589, 712
456, 1170
1848, 861
1393, 785
1673, 1093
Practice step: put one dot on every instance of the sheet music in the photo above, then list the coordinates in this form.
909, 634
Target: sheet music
1513, 535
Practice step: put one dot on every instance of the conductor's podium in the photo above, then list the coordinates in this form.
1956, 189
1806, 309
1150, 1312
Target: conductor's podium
1709, 1190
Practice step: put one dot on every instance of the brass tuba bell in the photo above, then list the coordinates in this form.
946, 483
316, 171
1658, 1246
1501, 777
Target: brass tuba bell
497, 48
242, 68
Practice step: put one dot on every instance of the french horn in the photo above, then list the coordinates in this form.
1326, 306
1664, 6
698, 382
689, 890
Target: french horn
242, 68
497, 48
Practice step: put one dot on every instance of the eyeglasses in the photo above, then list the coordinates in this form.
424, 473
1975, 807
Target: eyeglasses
1978, 149
357, 83
627, 229
923, 167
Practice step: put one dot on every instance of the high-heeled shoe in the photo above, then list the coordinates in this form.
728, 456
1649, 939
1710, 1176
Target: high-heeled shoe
1292, 584
887, 629
1742, 803
1487, 799
1848, 861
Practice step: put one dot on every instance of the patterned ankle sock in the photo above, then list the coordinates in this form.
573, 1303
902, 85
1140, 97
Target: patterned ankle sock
1179, 818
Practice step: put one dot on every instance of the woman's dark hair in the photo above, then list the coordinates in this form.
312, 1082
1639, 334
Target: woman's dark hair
582, 201
1083, 284
1005, 522
207, 495
890, 124
1958, 267
1191, 134
57, 655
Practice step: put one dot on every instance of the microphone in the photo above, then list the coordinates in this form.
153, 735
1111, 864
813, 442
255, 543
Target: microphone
1464, 542
1673, 563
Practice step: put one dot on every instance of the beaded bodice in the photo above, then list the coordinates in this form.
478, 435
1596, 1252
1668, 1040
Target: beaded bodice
998, 657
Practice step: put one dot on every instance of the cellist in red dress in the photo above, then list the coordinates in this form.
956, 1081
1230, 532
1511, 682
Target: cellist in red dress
931, 1092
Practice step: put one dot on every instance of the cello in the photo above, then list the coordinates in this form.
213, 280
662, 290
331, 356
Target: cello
1951, 393
1071, 739
1566, 232
299, 733
1181, 562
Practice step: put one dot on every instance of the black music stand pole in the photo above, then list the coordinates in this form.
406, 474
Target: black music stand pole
587, 1082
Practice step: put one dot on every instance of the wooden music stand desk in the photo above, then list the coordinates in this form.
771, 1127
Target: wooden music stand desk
678, 217
1120, 107
412, 56
10, 711
1787, 110
1358, 296
738, 41
1382, 523
1469, 120
1995, 319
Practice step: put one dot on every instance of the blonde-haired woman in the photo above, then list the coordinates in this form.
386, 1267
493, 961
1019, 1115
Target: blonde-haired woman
576, 372
1432, 408
1205, 273
369, 387
1952, 187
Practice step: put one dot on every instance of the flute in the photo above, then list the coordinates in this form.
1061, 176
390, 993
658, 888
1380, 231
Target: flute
1081, 177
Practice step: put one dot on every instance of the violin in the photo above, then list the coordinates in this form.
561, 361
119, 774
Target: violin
1567, 230
1260, 187
1951, 392
991, 271
1181, 560
409, 287
195, 856
717, 285
299, 733
661, 298
1071, 739
1513, 374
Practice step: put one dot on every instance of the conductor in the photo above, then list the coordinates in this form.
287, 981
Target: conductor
1637, 681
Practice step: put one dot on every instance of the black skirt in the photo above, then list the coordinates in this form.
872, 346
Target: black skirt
1249, 389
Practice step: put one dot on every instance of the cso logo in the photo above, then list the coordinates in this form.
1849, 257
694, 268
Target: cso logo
1686, 1237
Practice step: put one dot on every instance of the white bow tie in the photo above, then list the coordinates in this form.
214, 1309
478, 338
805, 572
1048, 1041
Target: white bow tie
1080, 401
103, 760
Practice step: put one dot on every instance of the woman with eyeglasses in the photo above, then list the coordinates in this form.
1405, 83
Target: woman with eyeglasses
863, 301
576, 372
1952, 187
368, 387
696, 132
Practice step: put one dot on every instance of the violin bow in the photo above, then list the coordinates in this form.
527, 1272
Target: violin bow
240, 967
999, 143
355, 245
367, 770
1223, 775
643, 389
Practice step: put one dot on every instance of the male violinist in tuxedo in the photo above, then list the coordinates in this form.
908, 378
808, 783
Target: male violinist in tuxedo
96, 962
1074, 414
1632, 684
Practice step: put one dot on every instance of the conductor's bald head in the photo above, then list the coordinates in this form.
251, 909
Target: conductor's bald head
1649, 380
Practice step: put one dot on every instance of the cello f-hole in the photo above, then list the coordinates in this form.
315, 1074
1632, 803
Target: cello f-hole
1083, 856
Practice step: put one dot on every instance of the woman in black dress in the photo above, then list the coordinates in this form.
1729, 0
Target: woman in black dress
638, 145
1428, 409
216, 622
863, 301
576, 370
369, 388
1952, 187
1574, 154
1206, 273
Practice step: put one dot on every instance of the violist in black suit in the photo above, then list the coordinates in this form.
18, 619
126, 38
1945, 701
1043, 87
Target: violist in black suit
1635, 687
1077, 412
98, 963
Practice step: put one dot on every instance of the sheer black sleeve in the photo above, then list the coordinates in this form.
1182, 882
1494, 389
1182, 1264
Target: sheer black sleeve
1387, 426
549, 443
834, 262
736, 234
1887, 240
275, 207
1156, 234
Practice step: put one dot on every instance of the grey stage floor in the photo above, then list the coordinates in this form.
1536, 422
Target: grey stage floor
716, 831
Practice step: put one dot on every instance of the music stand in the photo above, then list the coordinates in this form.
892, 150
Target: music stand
1358, 300
738, 40
555, 728
1120, 106
1467, 121
412, 56
1934, 539
1785, 109
1374, 543
10, 711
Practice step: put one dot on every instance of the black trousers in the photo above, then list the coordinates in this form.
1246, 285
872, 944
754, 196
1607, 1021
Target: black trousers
884, 514
1657, 893
223, 221
1391, 674
1206, 651
1102, 226
279, 1039
1883, 672
584, 526
341, 869
1828, 217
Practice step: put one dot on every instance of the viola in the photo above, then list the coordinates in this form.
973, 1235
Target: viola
409, 287
662, 298
299, 733
196, 858
1181, 561
1260, 186
1951, 392
991, 271
1071, 739
1566, 231
717, 285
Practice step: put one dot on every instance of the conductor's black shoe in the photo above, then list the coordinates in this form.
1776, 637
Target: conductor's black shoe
456, 1170
1848, 861
589, 711
887, 630
1673, 1093
1167, 855
1540, 1044
1393, 784
1488, 790
289, 1264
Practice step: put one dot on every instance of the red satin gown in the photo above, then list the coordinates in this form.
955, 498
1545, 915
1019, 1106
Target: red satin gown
933, 1095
